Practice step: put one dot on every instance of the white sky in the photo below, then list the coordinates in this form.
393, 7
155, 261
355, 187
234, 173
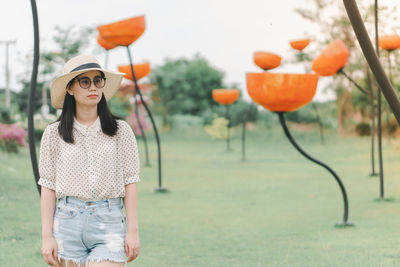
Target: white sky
226, 32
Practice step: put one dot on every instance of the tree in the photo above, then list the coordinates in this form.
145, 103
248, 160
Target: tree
183, 86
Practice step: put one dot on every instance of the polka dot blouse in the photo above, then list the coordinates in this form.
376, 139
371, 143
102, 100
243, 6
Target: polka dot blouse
95, 167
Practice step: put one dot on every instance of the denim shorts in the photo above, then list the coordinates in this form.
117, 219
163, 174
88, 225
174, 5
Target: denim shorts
90, 230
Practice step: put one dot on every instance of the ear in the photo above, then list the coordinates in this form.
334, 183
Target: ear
70, 92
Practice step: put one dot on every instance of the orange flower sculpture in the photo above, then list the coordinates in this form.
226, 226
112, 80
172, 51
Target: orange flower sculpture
389, 42
332, 59
281, 92
123, 32
225, 96
300, 44
267, 60
106, 45
141, 70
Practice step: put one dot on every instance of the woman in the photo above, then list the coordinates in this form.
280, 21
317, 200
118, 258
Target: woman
88, 162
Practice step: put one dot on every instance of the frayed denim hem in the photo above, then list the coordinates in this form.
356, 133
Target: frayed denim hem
84, 263
105, 259
77, 262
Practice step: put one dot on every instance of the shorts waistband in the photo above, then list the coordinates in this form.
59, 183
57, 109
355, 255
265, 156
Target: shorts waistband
74, 200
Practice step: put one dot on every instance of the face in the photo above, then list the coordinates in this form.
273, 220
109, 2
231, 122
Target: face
90, 96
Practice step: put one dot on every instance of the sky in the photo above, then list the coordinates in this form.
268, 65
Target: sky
225, 32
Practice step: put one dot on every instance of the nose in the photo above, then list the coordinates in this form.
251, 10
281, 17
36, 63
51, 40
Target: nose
92, 87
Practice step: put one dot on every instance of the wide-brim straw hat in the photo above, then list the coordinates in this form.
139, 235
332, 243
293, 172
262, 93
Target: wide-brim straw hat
78, 65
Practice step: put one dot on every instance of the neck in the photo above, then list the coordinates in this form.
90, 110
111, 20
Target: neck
86, 115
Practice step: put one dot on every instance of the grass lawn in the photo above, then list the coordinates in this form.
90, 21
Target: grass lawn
276, 209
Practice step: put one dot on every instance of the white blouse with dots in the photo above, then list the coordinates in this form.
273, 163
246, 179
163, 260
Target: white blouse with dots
95, 167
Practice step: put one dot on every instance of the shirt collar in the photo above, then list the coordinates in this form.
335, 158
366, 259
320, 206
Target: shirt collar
95, 127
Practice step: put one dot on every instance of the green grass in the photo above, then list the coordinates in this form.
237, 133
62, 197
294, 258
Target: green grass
276, 209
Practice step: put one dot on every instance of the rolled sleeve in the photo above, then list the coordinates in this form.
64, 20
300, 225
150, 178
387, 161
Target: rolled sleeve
46, 161
130, 154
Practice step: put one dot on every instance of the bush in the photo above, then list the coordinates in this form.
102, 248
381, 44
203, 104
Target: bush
11, 137
363, 129
218, 129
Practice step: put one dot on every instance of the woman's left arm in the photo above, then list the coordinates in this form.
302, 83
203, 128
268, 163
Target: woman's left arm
132, 243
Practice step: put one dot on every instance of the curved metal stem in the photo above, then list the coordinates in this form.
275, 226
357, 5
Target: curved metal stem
289, 136
341, 71
152, 121
386, 106
141, 128
32, 92
245, 118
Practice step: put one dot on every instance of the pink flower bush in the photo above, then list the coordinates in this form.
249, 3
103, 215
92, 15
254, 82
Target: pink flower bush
133, 122
11, 137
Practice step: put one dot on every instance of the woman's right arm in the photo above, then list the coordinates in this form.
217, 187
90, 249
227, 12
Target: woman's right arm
47, 206
49, 244
47, 197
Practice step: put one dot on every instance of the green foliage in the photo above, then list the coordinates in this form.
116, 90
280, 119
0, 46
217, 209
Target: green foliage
182, 121
184, 85
5, 115
120, 106
363, 129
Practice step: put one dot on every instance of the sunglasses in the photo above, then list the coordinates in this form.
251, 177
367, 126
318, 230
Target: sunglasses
86, 82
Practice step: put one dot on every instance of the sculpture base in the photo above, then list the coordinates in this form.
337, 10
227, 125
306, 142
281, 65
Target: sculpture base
161, 190
385, 199
344, 224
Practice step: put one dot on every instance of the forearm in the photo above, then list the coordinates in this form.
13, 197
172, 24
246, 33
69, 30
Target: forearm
47, 206
130, 202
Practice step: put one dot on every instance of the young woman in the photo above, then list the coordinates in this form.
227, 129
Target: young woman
89, 162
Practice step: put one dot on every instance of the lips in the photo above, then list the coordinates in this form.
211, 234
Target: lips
92, 95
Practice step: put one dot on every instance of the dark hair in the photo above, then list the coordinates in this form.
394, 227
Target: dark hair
108, 121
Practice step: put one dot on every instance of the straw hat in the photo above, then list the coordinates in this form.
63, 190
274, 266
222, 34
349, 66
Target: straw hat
78, 65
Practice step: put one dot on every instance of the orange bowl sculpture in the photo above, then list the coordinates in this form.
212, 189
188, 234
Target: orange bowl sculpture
332, 59
225, 96
141, 70
106, 45
281, 92
267, 60
389, 42
123, 32
300, 44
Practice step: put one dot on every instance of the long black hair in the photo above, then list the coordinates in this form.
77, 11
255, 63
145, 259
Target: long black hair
109, 124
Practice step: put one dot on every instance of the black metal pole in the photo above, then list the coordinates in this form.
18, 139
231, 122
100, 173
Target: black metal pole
371, 56
245, 118
147, 163
372, 101
32, 92
380, 152
343, 190
228, 140
160, 188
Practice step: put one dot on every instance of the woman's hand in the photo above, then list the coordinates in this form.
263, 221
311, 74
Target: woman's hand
132, 245
49, 250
